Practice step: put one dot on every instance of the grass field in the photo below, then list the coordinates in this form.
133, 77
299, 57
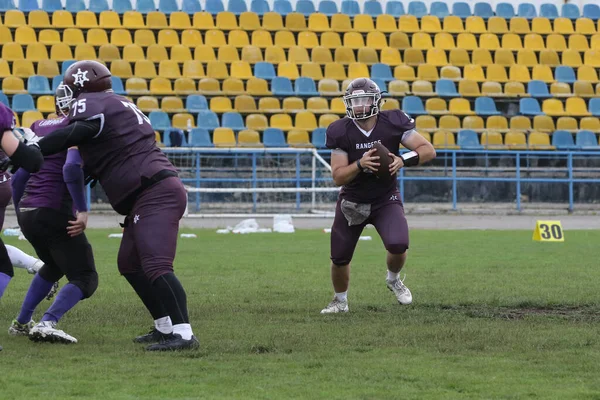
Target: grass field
495, 316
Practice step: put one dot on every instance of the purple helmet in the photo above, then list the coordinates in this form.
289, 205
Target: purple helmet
362, 99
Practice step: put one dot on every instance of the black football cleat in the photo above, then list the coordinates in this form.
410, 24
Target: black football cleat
154, 336
175, 342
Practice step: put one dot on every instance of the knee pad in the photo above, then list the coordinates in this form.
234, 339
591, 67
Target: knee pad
50, 273
397, 248
87, 283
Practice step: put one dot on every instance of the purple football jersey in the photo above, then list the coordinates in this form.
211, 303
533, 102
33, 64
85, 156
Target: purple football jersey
390, 129
124, 151
47, 188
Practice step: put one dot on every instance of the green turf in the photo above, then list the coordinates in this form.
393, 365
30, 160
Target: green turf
495, 316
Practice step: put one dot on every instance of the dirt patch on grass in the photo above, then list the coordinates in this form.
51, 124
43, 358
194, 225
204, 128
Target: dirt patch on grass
585, 313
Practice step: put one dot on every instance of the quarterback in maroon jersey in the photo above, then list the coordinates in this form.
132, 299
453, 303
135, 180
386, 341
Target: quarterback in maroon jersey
366, 198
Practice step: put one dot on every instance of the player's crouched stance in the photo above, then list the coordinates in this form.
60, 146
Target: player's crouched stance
369, 196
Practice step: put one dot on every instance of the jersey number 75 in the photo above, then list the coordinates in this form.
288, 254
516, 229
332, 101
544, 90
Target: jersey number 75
140, 115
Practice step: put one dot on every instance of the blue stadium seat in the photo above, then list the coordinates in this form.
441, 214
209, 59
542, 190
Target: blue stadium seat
461, 9
594, 106
417, 8
37, 84
350, 7
264, 70
75, 6
28, 5
505, 10
274, 137
237, 6
281, 86
538, 89
260, 7
233, 120
564, 73
446, 88
549, 11
6, 5
117, 85
483, 10
526, 10
591, 11
305, 7
529, 106
381, 85
305, 87
167, 6
4, 99
319, 138
563, 140
195, 103
586, 140
97, 6
283, 7
382, 71
570, 10
65, 65
191, 6
22, 102
328, 7
468, 140
394, 8
439, 9
159, 120
208, 120
55, 5
122, 6
170, 134
145, 6
214, 6
372, 8
199, 137
413, 105
57, 80
485, 106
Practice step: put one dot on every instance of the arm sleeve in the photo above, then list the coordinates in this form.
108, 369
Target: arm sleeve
75, 134
28, 157
18, 183
73, 177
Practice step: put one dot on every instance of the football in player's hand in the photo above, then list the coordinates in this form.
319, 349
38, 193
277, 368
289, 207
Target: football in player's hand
383, 171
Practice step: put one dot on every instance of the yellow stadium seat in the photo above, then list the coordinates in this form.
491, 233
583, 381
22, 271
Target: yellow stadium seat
473, 122
49, 37
496, 73
466, 41
578, 42
427, 72
422, 88
109, 52
204, 53
147, 103
38, 19
288, 70
514, 139
358, 70
269, 104
519, 25
298, 138
534, 41
61, 19
453, 24
386, 23
542, 73
156, 53
244, 104
563, 26
398, 88
468, 88
275, 55
431, 24
353, 40
306, 120
481, 57
367, 55
45, 104
227, 54
549, 57
13, 85
337, 105
249, 21
168, 37
60, 52
592, 58
180, 20
133, 52
449, 123
459, 57
185, 86
399, 40
181, 53
47, 68
221, 104
426, 123
311, 70
136, 86
156, 20
214, 38
258, 87
344, 55
541, 25
238, 38
576, 106
308, 40
571, 58
520, 123
590, 124
566, 124
511, 41
85, 52
249, 138
408, 23
109, 20
133, 20
160, 86
444, 140
272, 21
444, 41
414, 57
144, 37
492, 141
421, 40
527, 58
587, 73
145, 69
121, 68
331, 40
317, 105
281, 121
328, 87
504, 57
390, 56
224, 137
320, 55
437, 57
474, 73
585, 26
284, 39
326, 119
293, 104
436, 106
157, 139
345, 84
203, 21
489, 41
363, 23
295, 22
475, 24
14, 18
540, 141
298, 55
318, 22
262, 39
404, 73
191, 38
583, 89
86, 20
23, 68
543, 123
217, 70
73, 36
241, 70
460, 107
497, 25
169, 69
556, 42
120, 37
97, 37
375, 40
36, 52
496, 123
251, 54
30, 116
193, 69
25, 35
450, 72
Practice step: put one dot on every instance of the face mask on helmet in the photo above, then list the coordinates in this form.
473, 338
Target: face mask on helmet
64, 99
362, 105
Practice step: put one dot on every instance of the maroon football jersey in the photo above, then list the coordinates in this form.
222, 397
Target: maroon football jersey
124, 151
344, 135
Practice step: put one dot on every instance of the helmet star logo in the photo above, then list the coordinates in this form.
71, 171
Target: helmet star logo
80, 77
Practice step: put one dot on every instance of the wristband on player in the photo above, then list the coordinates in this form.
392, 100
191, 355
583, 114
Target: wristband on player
358, 165
410, 159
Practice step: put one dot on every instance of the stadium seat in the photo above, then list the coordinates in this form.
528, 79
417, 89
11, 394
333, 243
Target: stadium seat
553, 107
306, 120
283, 7
460, 107
540, 141
159, 120
483, 10
576, 106
439, 9
567, 124
543, 123
515, 140
199, 137
245, 104
318, 138
207, 119
298, 138
22, 102
413, 105
269, 105
473, 122
594, 106
38, 85
590, 124
326, 119
485, 106
436, 106
591, 11
586, 140
233, 121
273, 137
136, 86
444, 140
249, 138
282, 86
305, 7
281, 121
538, 89
394, 8
147, 104
214, 6
468, 140
505, 10
349, 7
224, 137
13, 85
305, 87
317, 105
497, 123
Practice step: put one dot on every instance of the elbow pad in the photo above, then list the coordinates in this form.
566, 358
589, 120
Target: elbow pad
28, 157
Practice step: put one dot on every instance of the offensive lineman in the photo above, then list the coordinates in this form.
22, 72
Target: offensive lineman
364, 198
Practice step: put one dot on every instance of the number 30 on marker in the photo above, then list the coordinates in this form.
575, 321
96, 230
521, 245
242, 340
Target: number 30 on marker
548, 231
